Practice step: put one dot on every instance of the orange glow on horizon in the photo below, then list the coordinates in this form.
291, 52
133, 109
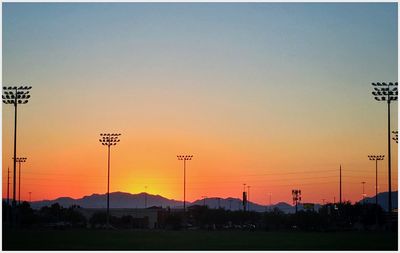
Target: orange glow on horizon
257, 93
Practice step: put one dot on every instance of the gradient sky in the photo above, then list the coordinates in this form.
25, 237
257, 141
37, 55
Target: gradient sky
274, 95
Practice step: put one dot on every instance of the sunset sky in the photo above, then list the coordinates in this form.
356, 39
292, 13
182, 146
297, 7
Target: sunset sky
274, 95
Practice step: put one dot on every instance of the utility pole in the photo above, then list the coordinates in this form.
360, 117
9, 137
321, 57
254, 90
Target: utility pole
340, 185
219, 202
248, 198
145, 196
387, 92
184, 158
363, 192
230, 204
30, 197
323, 201
376, 158
244, 198
270, 205
8, 186
204, 200
109, 140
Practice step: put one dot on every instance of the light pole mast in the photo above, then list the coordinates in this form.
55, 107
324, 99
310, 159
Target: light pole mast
248, 198
8, 186
145, 196
19, 161
15, 95
270, 195
340, 185
204, 200
244, 198
376, 158
184, 158
387, 92
363, 192
109, 140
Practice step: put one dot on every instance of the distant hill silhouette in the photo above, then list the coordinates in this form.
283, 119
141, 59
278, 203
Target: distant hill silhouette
235, 204
128, 200
383, 200
117, 200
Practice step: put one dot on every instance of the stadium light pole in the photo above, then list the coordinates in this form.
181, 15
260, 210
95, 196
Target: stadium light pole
376, 158
19, 161
15, 95
184, 158
109, 140
387, 92
396, 136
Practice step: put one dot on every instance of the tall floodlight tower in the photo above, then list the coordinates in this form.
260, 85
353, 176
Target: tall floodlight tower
184, 158
376, 158
109, 140
15, 96
387, 92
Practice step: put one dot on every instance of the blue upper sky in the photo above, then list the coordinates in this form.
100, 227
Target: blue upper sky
261, 75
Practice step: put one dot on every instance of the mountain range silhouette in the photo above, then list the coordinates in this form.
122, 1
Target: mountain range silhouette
128, 200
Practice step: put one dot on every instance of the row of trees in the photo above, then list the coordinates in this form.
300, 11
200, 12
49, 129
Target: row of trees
329, 217
54, 214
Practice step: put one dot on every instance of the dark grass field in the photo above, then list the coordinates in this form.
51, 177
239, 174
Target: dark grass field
195, 240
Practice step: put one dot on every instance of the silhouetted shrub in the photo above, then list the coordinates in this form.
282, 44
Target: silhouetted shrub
98, 218
26, 215
173, 221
